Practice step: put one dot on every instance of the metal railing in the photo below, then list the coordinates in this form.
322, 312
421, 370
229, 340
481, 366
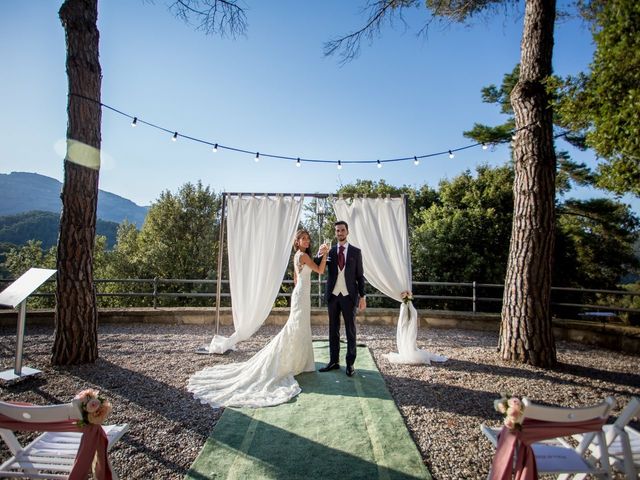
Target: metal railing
460, 296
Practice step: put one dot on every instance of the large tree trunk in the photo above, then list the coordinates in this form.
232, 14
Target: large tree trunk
526, 334
76, 319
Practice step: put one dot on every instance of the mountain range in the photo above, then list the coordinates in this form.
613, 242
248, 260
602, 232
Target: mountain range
22, 192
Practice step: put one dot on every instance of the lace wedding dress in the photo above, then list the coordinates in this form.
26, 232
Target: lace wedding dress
266, 379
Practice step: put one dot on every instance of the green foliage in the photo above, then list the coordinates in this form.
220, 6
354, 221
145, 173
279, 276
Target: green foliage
465, 235
595, 243
44, 226
502, 95
5, 247
499, 96
418, 200
605, 103
631, 302
462, 232
20, 259
569, 172
459, 233
318, 221
20, 228
179, 239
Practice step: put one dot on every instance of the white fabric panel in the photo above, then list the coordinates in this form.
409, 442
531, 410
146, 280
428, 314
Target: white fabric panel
378, 226
260, 233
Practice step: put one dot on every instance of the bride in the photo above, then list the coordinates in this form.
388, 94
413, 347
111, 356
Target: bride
266, 379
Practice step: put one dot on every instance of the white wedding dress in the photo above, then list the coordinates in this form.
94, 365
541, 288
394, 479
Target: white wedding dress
266, 379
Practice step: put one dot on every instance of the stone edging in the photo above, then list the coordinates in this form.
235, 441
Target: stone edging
612, 336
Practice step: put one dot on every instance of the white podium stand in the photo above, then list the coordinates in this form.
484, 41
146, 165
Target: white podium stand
15, 295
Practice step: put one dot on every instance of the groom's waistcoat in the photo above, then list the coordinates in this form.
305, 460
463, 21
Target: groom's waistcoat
352, 275
341, 284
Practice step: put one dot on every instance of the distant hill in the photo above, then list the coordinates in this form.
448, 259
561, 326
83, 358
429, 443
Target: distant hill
38, 225
22, 192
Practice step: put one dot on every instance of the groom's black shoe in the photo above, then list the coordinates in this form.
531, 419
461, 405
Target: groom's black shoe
350, 371
330, 366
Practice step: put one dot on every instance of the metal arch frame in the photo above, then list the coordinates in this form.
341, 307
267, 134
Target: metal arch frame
253, 194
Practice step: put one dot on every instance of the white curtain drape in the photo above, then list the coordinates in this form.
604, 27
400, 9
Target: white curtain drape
378, 226
260, 233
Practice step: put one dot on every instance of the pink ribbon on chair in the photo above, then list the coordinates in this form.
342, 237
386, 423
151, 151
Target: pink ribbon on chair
93, 443
510, 441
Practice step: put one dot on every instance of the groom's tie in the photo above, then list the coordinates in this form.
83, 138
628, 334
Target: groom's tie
341, 257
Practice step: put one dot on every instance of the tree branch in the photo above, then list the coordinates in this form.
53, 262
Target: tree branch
222, 17
349, 45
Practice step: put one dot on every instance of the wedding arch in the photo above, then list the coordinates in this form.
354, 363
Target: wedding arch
260, 232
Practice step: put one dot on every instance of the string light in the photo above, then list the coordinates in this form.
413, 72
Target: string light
298, 162
416, 159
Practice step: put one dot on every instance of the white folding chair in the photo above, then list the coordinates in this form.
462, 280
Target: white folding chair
623, 441
52, 454
557, 456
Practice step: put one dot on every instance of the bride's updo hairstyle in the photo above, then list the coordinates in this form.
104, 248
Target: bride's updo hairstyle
299, 234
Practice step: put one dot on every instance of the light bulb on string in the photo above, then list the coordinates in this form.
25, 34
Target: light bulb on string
514, 137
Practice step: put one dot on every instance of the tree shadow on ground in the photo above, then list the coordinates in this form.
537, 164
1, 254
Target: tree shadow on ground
243, 445
562, 373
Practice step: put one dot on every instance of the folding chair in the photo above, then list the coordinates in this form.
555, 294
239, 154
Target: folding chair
52, 454
552, 454
623, 442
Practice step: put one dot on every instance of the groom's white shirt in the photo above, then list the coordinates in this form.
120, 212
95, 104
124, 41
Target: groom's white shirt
341, 285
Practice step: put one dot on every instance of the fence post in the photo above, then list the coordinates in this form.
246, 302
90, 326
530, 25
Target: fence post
155, 292
474, 296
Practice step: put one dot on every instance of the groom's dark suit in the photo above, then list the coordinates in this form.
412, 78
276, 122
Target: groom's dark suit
347, 305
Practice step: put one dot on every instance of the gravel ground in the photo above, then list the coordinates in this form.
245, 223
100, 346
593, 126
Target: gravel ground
143, 369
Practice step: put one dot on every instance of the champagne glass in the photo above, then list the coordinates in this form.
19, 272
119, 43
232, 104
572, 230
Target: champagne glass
327, 241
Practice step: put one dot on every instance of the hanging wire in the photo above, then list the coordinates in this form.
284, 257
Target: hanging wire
135, 120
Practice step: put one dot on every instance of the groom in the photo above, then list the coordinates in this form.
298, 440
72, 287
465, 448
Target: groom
344, 295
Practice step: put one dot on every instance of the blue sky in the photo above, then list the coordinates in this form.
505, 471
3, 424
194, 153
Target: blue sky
272, 91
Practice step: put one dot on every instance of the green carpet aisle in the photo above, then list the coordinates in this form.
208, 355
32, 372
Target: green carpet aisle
337, 428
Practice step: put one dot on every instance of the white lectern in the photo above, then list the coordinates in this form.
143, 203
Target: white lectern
14, 295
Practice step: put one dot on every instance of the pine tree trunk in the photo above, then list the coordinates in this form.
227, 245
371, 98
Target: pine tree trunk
76, 318
526, 334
